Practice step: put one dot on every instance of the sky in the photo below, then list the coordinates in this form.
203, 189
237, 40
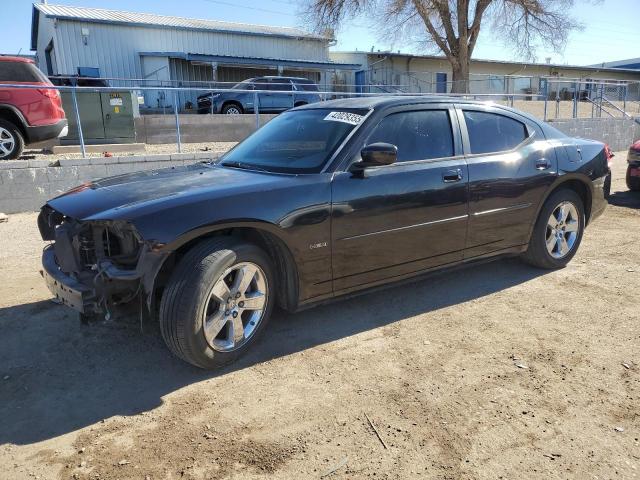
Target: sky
611, 30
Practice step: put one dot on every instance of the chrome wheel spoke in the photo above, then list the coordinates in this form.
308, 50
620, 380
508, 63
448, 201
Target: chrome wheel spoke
214, 324
551, 242
572, 226
221, 290
238, 330
244, 278
254, 301
563, 246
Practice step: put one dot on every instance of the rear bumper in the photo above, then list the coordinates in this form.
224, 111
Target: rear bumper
47, 132
599, 201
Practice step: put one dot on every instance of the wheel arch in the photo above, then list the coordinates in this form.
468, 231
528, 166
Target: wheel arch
581, 185
264, 236
237, 103
13, 115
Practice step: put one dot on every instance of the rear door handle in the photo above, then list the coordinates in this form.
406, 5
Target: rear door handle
542, 164
450, 176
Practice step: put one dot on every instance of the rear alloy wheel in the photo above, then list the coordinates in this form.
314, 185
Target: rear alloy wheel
558, 231
11, 141
217, 301
633, 182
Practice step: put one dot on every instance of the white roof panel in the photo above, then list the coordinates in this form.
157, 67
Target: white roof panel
116, 16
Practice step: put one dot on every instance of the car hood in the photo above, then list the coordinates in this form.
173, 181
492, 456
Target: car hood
125, 196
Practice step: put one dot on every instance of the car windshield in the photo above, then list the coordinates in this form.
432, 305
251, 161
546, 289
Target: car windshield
299, 141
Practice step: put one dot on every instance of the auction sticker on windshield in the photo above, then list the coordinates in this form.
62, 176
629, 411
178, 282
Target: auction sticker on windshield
345, 117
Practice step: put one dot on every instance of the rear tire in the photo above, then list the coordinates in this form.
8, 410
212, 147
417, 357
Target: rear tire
217, 302
633, 183
11, 141
558, 231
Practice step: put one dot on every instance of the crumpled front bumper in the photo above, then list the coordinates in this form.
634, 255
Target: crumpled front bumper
65, 288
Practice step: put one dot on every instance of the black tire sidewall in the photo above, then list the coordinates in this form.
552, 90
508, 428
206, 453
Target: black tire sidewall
538, 253
203, 273
17, 135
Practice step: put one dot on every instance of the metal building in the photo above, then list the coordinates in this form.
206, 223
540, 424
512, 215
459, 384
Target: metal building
156, 50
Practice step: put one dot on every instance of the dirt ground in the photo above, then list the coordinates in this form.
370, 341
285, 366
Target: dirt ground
498, 371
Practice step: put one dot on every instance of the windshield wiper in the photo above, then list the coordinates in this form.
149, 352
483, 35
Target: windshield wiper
242, 165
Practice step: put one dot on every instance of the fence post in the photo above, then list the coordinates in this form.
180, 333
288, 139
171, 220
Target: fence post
601, 99
175, 109
624, 98
256, 109
546, 95
80, 135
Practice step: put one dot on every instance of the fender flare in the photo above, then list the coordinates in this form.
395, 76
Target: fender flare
150, 274
15, 110
561, 179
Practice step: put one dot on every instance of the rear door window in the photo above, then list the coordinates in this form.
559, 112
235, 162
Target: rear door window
21, 72
281, 85
492, 132
419, 135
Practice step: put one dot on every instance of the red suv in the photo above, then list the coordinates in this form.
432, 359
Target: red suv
27, 115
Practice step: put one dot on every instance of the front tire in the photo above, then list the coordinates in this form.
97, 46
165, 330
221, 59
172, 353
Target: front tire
558, 231
633, 183
232, 109
217, 302
11, 141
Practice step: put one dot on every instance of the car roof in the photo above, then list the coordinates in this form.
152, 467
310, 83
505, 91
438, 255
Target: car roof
275, 77
385, 101
9, 58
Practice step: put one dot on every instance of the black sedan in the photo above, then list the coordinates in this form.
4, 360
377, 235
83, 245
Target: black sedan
273, 94
322, 201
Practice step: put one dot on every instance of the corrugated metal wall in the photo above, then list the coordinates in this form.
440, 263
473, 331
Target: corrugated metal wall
116, 49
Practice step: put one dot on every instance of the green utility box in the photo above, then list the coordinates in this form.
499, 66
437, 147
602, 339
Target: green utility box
106, 117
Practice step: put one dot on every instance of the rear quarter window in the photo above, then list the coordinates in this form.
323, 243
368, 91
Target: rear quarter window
21, 72
492, 132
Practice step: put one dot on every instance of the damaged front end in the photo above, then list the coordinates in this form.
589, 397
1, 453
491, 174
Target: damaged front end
95, 266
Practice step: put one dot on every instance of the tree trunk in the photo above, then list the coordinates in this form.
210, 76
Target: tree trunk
460, 77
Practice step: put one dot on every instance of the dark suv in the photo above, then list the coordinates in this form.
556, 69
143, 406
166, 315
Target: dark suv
322, 201
27, 115
282, 93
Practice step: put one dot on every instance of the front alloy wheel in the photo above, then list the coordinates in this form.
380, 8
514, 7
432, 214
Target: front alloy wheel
217, 301
235, 307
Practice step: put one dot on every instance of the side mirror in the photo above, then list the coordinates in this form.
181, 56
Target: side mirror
376, 155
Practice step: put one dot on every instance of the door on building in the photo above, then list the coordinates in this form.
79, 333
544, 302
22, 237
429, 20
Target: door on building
441, 82
360, 81
508, 177
408, 216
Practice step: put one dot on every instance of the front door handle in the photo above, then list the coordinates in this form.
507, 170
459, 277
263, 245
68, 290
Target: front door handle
449, 176
542, 164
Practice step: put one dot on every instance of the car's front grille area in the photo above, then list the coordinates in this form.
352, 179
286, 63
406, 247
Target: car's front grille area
87, 249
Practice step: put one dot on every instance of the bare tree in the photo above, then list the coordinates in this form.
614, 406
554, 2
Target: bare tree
453, 26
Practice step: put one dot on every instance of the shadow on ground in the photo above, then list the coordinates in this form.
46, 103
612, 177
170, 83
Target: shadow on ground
625, 198
63, 376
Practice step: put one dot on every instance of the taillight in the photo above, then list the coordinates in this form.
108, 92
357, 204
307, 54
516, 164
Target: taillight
49, 92
609, 154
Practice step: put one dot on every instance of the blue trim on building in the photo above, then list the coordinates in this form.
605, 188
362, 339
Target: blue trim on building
233, 60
